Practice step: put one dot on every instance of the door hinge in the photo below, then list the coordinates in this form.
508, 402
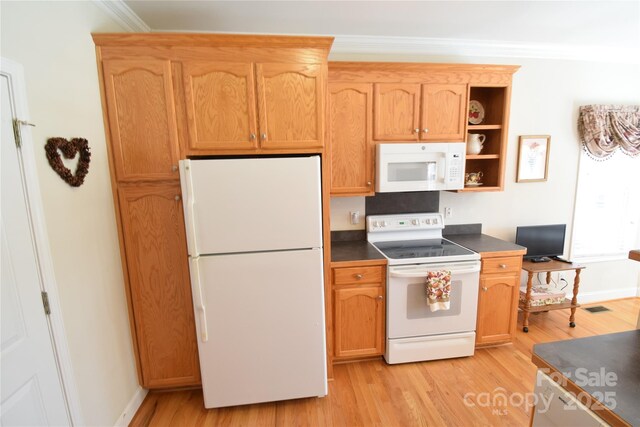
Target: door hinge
45, 302
16, 130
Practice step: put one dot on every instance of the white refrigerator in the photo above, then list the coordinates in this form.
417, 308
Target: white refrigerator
254, 235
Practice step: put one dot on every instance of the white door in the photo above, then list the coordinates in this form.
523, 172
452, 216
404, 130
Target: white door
261, 333
248, 205
31, 391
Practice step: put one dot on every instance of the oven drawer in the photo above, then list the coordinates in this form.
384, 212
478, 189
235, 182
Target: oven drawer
502, 265
354, 275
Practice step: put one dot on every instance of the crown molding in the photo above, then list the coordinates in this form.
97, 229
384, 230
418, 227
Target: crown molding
123, 14
481, 48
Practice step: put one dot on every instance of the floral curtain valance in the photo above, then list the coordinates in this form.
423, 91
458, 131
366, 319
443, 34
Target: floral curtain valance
603, 128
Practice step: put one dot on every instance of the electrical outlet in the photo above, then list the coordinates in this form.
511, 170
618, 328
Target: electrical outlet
355, 217
447, 212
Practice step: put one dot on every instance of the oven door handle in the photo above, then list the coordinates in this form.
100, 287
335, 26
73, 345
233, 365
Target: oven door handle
422, 271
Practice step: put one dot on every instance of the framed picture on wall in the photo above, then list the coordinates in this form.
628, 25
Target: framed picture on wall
533, 158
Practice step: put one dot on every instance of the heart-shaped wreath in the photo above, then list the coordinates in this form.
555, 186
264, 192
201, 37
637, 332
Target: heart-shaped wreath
69, 149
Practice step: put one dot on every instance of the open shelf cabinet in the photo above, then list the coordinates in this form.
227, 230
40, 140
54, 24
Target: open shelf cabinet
494, 126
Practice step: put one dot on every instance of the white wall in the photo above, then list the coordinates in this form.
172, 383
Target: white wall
545, 99
52, 40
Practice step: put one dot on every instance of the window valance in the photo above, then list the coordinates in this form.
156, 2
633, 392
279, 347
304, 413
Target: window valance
603, 128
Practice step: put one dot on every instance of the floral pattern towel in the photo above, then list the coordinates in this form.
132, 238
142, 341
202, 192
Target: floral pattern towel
438, 287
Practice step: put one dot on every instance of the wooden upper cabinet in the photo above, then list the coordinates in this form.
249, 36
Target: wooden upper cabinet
220, 104
156, 248
444, 112
396, 112
291, 105
352, 148
142, 119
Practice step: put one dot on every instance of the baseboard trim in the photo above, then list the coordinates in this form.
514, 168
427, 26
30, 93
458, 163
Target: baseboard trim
610, 294
132, 407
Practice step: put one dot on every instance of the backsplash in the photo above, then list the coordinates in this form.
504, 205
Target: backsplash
399, 203
380, 204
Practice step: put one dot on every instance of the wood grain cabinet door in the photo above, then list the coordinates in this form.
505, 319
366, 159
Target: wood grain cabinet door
142, 119
359, 321
396, 112
352, 148
291, 105
497, 308
444, 112
159, 286
220, 104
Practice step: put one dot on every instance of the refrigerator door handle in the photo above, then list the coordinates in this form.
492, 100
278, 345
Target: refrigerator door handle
187, 202
198, 300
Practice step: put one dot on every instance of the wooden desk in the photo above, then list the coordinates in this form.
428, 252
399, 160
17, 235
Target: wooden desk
549, 267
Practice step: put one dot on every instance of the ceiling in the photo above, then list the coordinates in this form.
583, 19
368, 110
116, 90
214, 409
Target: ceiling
573, 24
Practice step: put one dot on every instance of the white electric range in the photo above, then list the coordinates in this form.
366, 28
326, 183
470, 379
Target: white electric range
413, 246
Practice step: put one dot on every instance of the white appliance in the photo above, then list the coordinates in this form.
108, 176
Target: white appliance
555, 406
254, 235
420, 167
413, 246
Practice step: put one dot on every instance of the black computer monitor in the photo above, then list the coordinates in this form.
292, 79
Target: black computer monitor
541, 241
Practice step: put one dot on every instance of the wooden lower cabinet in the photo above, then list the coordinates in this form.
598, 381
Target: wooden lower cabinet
359, 311
498, 300
163, 326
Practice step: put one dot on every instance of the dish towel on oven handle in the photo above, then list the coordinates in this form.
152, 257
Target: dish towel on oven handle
438, 287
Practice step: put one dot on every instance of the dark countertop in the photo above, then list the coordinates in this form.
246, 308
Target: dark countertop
355, 250
483, 243
361, 250
591, 362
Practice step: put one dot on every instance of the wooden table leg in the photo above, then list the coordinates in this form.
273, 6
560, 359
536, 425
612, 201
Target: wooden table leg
527, 300
574, 300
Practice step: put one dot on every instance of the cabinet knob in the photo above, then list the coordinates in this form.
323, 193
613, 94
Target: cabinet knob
425, 130
485, 289
264, 136
368, 182
252, 136
503, 266
358, 276
174, 168
380, 297
177, 198
416, 130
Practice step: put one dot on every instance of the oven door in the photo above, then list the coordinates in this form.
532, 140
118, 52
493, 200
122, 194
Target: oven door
408, 312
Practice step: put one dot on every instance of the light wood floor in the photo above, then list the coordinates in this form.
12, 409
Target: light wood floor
451, 392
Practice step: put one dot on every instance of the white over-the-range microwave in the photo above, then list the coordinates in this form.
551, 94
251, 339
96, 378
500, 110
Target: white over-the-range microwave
430, 166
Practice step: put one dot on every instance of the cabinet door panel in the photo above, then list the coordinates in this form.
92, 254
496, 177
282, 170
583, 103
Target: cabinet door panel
142, 120
359, 321
220, 104
396, 112
291, 103
444, 108
497, 309
352, 149
155, 243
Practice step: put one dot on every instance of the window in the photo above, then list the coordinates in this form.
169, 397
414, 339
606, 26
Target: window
606, 218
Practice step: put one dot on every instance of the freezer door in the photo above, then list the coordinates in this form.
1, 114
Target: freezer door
263, 338
247, 205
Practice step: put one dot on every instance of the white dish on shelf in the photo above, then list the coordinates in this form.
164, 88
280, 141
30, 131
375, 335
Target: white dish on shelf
473, 184
476, 112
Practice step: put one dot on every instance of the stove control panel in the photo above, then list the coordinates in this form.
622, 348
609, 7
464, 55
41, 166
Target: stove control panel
407, 222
